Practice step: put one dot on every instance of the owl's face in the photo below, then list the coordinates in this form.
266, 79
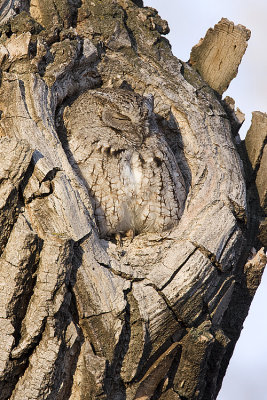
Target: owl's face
130, 117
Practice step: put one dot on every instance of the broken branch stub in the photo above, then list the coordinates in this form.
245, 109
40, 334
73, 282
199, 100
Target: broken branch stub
218, 55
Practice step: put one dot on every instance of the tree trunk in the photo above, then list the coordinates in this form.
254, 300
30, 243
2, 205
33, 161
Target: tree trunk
88, 312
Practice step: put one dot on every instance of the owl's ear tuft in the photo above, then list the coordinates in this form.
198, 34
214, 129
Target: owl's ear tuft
126, 86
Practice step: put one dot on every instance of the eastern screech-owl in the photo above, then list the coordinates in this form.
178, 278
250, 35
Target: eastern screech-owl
132, 175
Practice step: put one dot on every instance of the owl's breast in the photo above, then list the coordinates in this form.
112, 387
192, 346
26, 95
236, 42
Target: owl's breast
131, 175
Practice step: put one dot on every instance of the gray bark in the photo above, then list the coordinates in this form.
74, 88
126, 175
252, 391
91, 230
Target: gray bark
82, 317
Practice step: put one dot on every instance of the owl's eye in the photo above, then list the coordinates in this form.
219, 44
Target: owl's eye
120, 116
116, 120
110, 115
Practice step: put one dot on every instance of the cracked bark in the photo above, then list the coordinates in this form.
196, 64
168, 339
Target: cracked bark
82, 318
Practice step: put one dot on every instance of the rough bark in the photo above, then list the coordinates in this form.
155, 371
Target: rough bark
82, 317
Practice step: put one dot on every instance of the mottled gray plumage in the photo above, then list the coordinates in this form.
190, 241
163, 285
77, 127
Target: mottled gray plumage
134, 179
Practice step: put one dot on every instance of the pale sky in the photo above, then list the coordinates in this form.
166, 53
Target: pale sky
246, 378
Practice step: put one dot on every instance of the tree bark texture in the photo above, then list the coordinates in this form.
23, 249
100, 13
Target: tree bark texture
82, 316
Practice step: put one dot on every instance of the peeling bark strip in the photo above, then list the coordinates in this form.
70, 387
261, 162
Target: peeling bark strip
153, 153
256, 146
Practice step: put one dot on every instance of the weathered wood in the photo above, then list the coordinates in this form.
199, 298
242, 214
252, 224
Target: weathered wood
218, 55
83, 317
